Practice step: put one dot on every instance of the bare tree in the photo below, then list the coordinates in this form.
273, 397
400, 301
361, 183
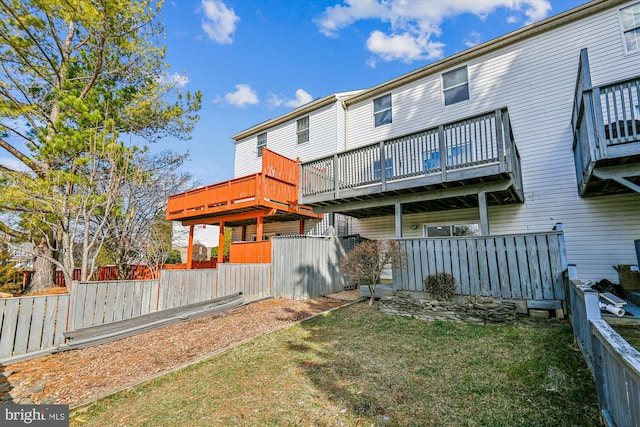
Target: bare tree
366, 262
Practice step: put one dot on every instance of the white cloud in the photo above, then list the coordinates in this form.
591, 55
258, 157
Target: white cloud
179, 80
220, 21
243, 95
302, 97
473, 39
404, 47
414, 24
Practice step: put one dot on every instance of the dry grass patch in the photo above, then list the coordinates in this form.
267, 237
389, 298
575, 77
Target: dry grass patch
357, 366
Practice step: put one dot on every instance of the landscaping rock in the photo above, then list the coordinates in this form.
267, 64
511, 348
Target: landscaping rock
479, 311
539, 314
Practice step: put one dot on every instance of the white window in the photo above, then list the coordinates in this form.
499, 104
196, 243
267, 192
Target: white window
262, 142
382, 110
455, 86
303, 129
451, 230
630, 23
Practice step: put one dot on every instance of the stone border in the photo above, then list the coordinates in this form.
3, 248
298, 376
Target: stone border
468, 310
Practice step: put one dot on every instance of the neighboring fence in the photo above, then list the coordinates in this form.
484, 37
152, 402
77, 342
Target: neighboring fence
521, 266
614, 363
32, 324
96, 303
309, 266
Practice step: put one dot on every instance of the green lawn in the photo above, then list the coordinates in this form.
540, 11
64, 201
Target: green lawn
357, 366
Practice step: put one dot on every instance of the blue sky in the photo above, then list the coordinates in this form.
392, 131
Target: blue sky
254, 60
258, 59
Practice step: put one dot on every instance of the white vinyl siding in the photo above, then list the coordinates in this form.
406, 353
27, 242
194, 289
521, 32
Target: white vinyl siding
630, 23
535, 80
283, 140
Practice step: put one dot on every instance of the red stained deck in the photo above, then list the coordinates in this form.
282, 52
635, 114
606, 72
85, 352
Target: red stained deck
271, 194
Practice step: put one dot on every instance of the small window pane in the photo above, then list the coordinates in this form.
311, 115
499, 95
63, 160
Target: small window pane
630, 17
630, 20
383, 118
439, 231
382, 103
632, 40
456, 94
466, 230
455, 77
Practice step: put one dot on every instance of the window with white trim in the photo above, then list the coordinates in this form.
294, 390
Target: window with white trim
451, 230
262, 142
455, 86
302, 129
630, 24
382, 110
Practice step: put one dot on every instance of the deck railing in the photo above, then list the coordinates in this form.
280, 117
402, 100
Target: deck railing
614, 363
277, 183
606, 120
480, 140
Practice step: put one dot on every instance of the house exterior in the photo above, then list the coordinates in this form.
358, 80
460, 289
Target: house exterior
535, 128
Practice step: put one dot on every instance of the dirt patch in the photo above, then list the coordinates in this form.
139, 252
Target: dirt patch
74, 376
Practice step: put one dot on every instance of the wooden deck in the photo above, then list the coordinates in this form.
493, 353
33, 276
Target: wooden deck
606, 145
440, 168
271, 194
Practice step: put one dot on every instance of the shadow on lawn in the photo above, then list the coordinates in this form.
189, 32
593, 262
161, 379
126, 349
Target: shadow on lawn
5, 386
397, 371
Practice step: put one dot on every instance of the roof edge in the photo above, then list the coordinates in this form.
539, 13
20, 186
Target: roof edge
300, 111
513, 37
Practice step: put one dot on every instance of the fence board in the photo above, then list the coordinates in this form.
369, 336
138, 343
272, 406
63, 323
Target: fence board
512, 262
464, 286
51, 312
37, 325
61, 322
24, 324
523, 266
9, 325
502, 265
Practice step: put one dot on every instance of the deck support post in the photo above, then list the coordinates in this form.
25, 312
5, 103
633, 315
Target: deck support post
484, 214
221, 243
301, 227
398, 218
190, 248
259, 228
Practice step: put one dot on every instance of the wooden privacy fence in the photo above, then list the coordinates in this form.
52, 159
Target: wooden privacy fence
32, 324
309, 266
614, 363
96, 303
520, 266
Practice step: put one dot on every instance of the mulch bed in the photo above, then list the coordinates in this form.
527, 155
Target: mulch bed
76, 376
